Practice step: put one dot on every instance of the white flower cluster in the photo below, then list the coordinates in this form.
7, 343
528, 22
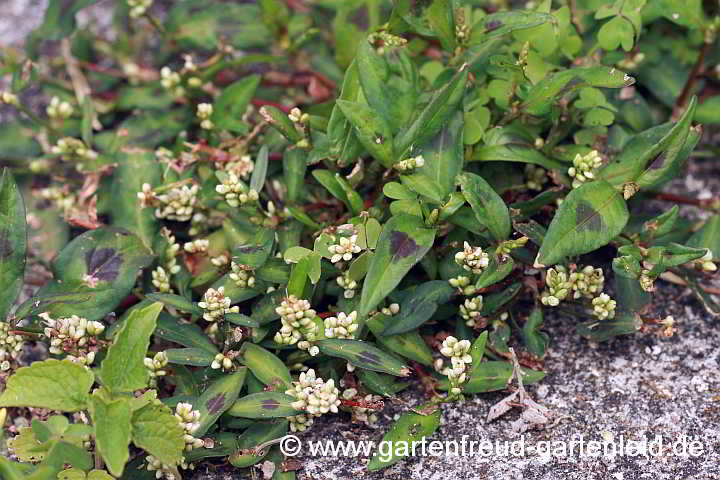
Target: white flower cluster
69, 148
470, 310
472, 259
535, 177
197, 246
342, 326
10, 346
204, 112
241, 167
410, 164
235, 191
73, 336
297, 116
462, 283
170, 252
457, 351
344, 249
584, 167
242, 275
314, 396
221, 361
161, 280
62, 198
171, 81
604, 306
59, 109
9, 98
220, 260
362, 414
587, 282
382, 40
156, 366
297, 318
138, 7
188, 419
177, 204
161, 470
216, 304
348, 284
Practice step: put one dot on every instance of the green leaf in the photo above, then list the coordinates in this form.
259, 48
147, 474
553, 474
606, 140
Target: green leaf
52, 384
339, 188
99, 269
407, 344
294, 167
419, 306
112, 431
492, 376
515, 153
589, 217
624, 323
490, 210
443, 156
123, 369
618, 31
257, 180
264, 405
536, 341
502, 23
279, 119
156, 430
543, 94
268, 368
256, 252
230, 106
373, 132
176, 301
218, 398
197, 357
708, 236
186, 334
403, 242
434, 116
410, 427
363, 355
255, 435
13, 242
374, 72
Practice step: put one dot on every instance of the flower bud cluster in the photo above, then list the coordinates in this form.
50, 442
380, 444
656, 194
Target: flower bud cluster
315, 396
69, 148
10, 346
298, 325
584, 167
706, 263
216, 305
348, 284
241, 167
632, 62
171, 251
220, 260
189, 421
558, 286
197, 246
410, 164
382, 40
61, 198
177, 204
242, 275
74, 336
587, 282
342, 326
161, 280
535, 177
222, 361
156, 366
138, 7
390, 310
509, 245
9, 98
171, 81
462, 283
58, 109
470, 311
604, 306
472, 259
235, 191
297, 116
458, 353
204, 112
362, 414
344, 249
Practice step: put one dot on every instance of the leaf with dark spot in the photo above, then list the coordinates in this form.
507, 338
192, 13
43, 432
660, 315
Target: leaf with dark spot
363, 355
492, 25
216, 403
401, 245
588, 218
103, 264
404, 240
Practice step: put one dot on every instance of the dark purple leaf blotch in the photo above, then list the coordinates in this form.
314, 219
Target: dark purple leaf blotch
401, 245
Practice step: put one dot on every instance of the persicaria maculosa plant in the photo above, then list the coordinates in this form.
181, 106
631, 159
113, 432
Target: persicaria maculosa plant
226, 221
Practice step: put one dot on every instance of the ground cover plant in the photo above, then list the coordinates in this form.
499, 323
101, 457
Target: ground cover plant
220, 221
